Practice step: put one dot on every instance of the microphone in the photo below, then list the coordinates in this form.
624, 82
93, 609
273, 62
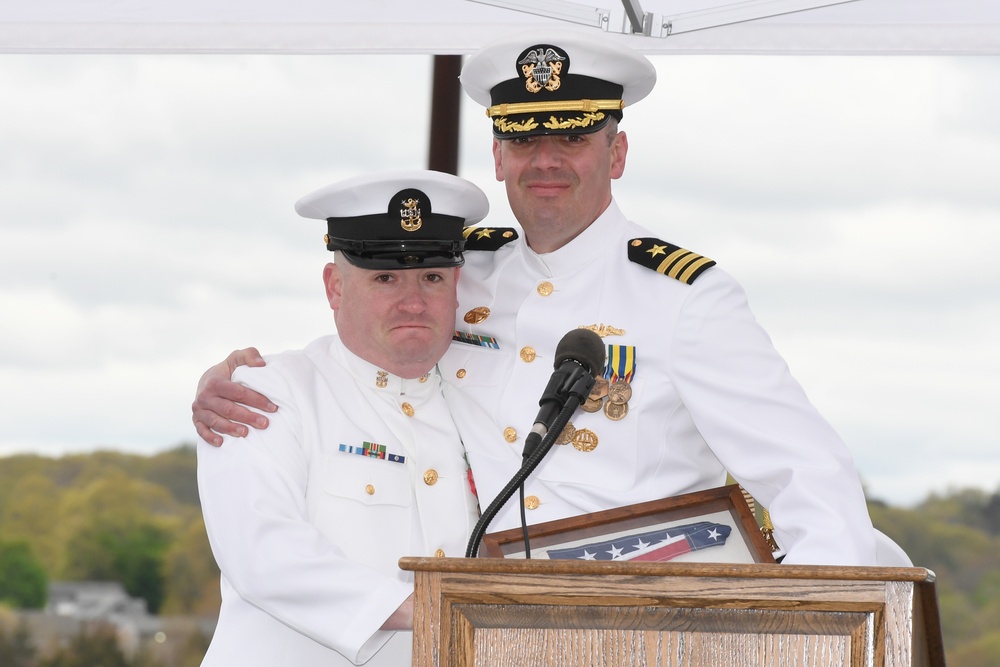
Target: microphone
579, 358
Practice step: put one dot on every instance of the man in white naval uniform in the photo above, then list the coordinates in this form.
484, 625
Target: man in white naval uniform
694, 386
362, 464
701, 389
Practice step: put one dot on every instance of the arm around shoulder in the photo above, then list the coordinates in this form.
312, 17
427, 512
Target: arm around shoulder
221, 406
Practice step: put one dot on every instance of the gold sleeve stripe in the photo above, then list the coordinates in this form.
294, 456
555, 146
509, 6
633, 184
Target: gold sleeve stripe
693, 267
563, 105
668, 259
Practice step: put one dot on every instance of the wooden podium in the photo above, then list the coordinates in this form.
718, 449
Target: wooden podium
528, 613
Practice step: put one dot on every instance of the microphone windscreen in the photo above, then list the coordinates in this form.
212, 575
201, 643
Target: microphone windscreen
583, 346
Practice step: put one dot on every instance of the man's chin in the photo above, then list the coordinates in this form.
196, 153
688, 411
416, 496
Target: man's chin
417, 343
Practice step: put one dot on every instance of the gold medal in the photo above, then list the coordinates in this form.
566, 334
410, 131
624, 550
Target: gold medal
585, 440
591, 405
621, 370
567, 434
615, 411
620, 391
600, 389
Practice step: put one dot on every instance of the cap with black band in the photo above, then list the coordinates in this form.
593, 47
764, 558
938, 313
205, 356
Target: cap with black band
397, 220
555, 82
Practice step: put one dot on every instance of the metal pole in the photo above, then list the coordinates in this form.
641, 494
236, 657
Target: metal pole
445, 98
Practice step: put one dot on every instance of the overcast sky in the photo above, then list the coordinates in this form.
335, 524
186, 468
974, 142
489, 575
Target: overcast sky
147, 228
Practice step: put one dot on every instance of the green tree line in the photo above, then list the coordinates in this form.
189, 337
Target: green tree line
106, 516
136, 519
957, 535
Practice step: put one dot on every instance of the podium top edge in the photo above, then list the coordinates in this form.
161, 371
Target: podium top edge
721, 570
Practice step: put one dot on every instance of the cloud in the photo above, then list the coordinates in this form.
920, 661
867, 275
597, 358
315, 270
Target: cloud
147, 228
774, 133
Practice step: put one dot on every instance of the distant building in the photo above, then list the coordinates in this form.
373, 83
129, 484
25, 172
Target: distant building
93, 600
74, 605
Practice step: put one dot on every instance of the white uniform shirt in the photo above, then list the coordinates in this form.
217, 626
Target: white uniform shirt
709, 394
308, 533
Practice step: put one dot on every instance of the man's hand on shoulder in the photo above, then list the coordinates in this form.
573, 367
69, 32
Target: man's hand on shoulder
221, 406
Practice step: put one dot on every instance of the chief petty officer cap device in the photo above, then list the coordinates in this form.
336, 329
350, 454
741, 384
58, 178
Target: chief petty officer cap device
399, 219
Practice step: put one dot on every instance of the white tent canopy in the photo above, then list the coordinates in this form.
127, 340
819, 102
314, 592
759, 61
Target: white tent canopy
890, 27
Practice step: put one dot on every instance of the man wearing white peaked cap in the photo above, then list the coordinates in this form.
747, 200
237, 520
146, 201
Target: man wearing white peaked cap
693, 387
362, 464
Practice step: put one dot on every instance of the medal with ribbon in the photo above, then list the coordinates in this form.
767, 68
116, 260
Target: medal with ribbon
619, 373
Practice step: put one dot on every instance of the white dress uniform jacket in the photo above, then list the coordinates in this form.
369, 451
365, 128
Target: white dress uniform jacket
709, 394
307, 532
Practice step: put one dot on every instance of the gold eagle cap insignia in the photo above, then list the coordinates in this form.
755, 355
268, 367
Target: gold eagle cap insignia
541, 69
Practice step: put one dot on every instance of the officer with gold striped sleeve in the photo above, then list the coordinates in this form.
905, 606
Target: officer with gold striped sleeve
693, 387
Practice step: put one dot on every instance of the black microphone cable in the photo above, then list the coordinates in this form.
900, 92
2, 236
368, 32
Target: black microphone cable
578, 357
526, 469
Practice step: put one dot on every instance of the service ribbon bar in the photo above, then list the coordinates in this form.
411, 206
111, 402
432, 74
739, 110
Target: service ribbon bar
374, 451
474, 339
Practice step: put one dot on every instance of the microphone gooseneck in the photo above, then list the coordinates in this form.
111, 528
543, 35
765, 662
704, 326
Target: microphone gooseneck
579, 357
